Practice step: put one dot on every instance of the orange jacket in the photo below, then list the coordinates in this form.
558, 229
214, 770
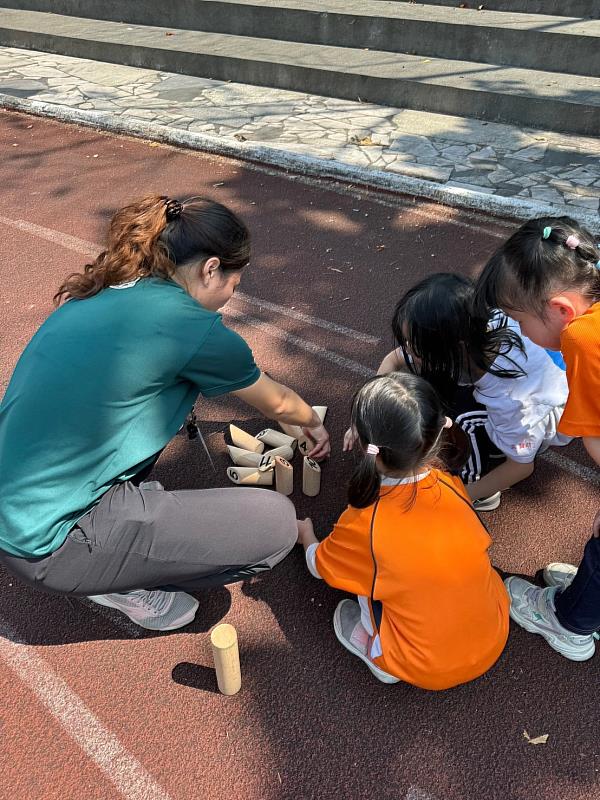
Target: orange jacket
442, 608
580, 346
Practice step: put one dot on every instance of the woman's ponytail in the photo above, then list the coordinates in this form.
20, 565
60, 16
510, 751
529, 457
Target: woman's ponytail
156, 235
133, 251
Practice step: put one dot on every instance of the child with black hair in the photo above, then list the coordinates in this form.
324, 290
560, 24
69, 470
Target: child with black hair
501, 389
431, 609
547, 277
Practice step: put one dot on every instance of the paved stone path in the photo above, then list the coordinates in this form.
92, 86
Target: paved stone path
488, 158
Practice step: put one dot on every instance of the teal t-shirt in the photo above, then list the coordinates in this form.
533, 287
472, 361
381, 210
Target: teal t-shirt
101, 388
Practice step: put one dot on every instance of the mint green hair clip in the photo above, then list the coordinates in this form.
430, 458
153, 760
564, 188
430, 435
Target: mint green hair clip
547, 232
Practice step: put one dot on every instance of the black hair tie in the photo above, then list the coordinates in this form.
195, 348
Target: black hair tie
173, 209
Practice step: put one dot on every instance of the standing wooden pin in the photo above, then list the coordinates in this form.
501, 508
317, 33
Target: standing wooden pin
321, 412
227, 658
311, 477
284, 476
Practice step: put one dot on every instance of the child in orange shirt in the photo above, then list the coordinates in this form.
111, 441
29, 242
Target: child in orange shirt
547, 277
431, 609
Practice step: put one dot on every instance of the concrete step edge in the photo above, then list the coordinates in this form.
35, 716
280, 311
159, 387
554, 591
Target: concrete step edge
570, 8
311, 166
305, 68
449, 33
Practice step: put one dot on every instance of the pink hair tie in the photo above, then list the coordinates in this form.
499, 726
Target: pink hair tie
572, 242
372, 450
447, 423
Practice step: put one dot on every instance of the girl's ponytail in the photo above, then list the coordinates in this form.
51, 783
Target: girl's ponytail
399, 422
546, 255
365, 483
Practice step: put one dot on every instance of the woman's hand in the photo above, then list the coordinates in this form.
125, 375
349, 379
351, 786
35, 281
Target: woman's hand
350, 438
320, 437
306, 533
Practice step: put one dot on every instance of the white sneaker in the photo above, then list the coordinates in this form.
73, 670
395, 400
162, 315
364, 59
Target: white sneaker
557, 574
533, 609
155, 610
490, 503
350, 632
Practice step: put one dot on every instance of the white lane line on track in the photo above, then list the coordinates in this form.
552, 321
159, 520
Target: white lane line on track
588, 474
303, 344
88, 248
62, 239
86, 730
414, 793
308, 318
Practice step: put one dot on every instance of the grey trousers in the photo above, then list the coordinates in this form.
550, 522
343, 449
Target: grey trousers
143, 537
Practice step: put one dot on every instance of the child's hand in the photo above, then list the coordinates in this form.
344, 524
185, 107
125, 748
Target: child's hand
306, 532
350, 438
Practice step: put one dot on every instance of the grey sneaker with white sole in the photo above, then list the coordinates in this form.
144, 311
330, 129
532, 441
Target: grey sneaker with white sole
533, 609
558, 574
155, 610
490, 503
350, 633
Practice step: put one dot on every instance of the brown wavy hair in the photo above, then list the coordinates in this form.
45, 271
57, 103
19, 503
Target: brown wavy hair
154, 236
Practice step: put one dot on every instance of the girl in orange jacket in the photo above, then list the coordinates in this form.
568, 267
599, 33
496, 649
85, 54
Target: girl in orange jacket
431, 609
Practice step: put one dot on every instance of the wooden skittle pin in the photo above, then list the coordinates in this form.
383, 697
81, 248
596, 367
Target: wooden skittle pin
246, 458
243, 440
276, 438
284, 451
321, 412
251, 476
311, 477
284, 476
227, 658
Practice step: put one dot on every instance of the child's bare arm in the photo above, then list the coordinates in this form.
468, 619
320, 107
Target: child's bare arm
306, 533
592, 445
504, 476
392, 362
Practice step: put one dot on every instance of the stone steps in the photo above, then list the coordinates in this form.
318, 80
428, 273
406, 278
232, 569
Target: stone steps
342, 61
589, 9
493, 37
561, 8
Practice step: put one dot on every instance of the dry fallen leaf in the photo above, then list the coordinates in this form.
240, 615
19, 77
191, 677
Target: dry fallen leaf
239, 136
364, 141
153, 144
169, 34
536, 739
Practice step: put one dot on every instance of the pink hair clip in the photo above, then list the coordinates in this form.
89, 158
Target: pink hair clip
448, 423
372, 450
572, 242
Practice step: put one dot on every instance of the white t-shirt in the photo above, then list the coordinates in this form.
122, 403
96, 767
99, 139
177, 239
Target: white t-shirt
524, 412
